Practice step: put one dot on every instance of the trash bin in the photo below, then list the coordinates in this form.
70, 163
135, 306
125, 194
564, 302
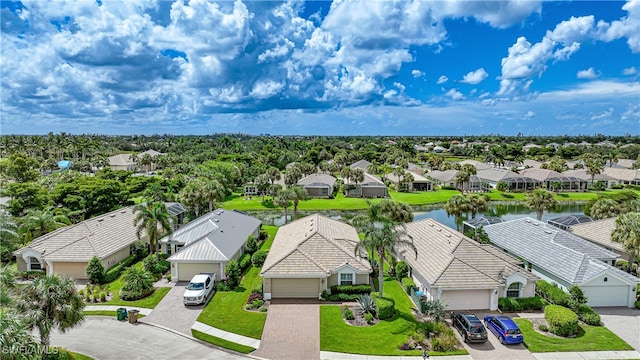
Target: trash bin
133, 316
121, 313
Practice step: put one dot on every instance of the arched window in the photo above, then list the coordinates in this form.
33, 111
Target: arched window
34, 264
514, 290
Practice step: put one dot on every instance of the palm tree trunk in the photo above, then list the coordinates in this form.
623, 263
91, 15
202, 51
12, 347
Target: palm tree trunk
210, 205
539, 215
380, 271
285, 215
45, 341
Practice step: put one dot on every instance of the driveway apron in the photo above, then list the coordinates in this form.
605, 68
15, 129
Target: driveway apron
172, 313
291, 332
623, 322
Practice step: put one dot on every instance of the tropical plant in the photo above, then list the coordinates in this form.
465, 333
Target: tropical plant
540, 200
50, 302
605, 208
577, 298
137, 284
435, 309
9, 237
366, 303
39, 222
95, 270
477, 203
502, 186
282, 200
627, 232
154, 220
233, 272
594, 163
213, 191
297, 194
456, 206
16, 341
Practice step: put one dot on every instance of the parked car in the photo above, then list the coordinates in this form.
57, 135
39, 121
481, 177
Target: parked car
504, 328
199, 289
470, 327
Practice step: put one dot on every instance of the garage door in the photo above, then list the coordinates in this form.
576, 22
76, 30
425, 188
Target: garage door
467, 299
72, 270
607, 295
295, 288
186, 271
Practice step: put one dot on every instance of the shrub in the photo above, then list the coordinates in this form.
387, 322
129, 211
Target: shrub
168, 277
342, 297
263, 234
150, 263
103, 296
408, 284
348, 314
251, 246
87, 297
577, 298
253, 297
637, 304
435, 309
402, 269
234, 272
244, 261
543, 327
56, 353
258, 258
163, 266
95, 270
138, 283
139, 250
521, 304
351, 289
257, 303
588, 316
222, 286
256, 286
552, 293
324, 295
81, 292
29, 275
96, 296
115, 271
368, 317
385, 308
562, 321
366, 303
444, 343
509, 304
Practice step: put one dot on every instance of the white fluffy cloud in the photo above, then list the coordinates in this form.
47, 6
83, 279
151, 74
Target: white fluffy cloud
475, 77
589, 73
417, 73
442, 79
454, 94
630, 71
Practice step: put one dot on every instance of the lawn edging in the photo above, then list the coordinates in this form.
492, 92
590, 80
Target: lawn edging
226, 344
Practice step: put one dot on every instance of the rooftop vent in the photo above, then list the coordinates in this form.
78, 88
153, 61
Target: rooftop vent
438, 229
216, 220
112, 215
536, 224
447, 235
123, 211
548, 231
528, 220
101, 219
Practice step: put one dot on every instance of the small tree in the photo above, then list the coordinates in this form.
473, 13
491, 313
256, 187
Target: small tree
258, 258
251, 246
234, 273
150, 263
138, 283
435, 309
95, 270
577, 297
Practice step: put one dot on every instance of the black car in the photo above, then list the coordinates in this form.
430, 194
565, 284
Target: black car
470, 327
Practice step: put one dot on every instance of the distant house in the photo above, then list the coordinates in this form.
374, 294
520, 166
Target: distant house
370, 187
361, 164
465, 274
416, 169
564, 259
67, 251
515, 181
623, 176
582, 174
599, 233
318, 185
208, 243
127, 161
310, 255
418, 183
479, 165
448, 178
549, 177
528, 147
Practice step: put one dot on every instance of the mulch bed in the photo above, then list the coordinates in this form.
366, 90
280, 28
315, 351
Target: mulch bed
358, 316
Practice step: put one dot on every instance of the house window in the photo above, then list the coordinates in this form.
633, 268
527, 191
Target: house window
514, 290
346, 279
34, 264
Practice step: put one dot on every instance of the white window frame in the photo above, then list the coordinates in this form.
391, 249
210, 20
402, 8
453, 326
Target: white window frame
353, 278
509, 289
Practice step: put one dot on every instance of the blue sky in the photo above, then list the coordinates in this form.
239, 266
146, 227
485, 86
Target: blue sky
321, 68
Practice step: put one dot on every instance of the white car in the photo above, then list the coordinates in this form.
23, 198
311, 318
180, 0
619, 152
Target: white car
199, 289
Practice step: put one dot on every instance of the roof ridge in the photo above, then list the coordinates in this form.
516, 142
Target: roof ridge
444, 269
354, 256
305, 254
284, 256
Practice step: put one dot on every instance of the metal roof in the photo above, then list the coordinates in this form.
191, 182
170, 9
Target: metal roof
175, 209
483, 221
563, 222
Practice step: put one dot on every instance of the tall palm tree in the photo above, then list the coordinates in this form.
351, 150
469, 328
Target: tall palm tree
627, 232
594, 164
540, 200
477, 203
50, 302
456, 206
386, 210
605, 208
153, 219
462, 177
297, 194
194, 195
387, 238
282, 200
39, 222
213, 191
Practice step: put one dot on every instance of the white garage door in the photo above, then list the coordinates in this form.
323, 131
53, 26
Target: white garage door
295, 288
467, 299
186, 271
607, 295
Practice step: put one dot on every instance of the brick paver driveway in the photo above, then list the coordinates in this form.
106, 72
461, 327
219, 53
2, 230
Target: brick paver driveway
291, 332
171, 312
623, 322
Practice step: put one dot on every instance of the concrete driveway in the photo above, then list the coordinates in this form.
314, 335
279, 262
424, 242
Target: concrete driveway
623, 322
172, 313
291, 332
105, 338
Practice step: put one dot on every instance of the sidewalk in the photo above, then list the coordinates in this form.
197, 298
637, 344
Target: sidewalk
588, 355
238, 339
143, 311
328, 355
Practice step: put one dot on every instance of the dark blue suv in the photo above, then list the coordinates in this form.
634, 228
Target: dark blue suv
504, 329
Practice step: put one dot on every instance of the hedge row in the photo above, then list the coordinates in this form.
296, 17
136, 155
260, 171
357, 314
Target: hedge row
521, 304
562, 321
244, 261
351, 289
408, 284
115, 271
588, 316
342, 297
553, 294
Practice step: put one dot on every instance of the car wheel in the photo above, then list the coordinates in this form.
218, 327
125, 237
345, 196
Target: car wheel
466, 339
501, 340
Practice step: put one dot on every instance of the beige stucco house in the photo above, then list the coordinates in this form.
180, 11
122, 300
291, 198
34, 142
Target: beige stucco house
310, 255
67, 250
465, 274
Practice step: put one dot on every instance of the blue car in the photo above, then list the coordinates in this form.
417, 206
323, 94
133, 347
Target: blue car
504, 329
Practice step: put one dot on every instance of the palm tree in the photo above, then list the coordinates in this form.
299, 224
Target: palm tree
282, 200
50, 302
456, 206
605, 208
274, 175
477, 203
387, 238
357, 175
39, 222
262, 183
462, 177
627, 232
386, 210
296, 194
540, 200
213, 191
194, 195
594, 163
153, 219
15, 337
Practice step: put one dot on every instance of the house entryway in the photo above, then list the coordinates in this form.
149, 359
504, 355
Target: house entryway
291, 332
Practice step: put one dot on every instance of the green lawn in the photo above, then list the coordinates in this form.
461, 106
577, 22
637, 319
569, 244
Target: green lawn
226, 309
149, 302
222, 342
384, 338
590, 338
78, 356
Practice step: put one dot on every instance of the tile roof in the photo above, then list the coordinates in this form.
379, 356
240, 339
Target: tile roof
479, 165
443, 176
215, 236
496, 174
622, 174
450, 260
315, 179
599, 232
582, 174
417, 178
558, 252
361, 164
313, 246
100, 236
540, 174
121, 160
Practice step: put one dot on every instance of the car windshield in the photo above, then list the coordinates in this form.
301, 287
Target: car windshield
476, 328
513, 332
196, 286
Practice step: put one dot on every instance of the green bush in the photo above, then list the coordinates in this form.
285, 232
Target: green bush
233, 272
562, 321
509, 304
637, 304
543, 327
244, 261
521, 304
385, 308
251, 245
115, 271
348, 314
402, 270
258, 258
588, 316
324, 295
150, 263
343, 297
445, 343
95, 270
96, 296
56, 353
368, 317
408, 284
553, 294
138, 283
103, 296
351, 289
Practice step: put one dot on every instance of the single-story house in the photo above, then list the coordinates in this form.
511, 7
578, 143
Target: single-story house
67, 251
599, 233
318, 185
515, 181
465, 274
310, 255
549, 177
414, 168
361, 164
479, 165
623, 176
419, 182
564, 259
448, 178
582, 174
127, 161
208, 243
370, 187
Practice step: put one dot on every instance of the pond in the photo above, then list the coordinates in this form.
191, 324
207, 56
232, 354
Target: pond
504, 211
